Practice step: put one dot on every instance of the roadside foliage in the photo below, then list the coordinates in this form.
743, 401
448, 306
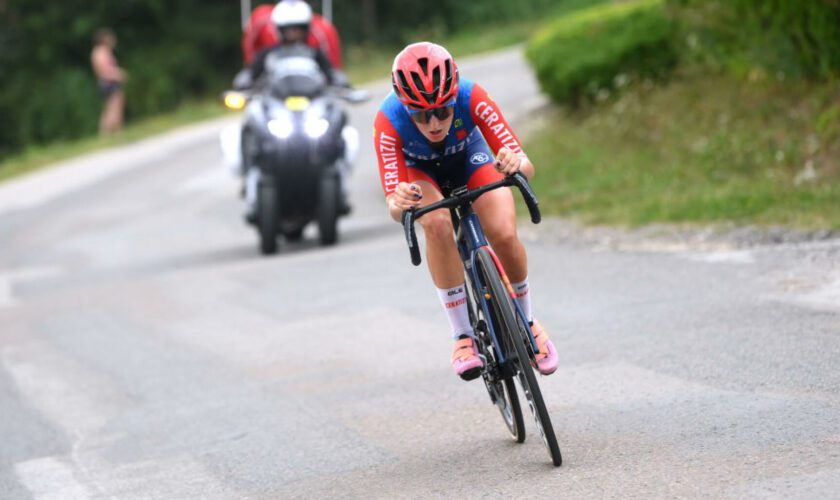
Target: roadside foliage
594, 50
177, 51
691, 111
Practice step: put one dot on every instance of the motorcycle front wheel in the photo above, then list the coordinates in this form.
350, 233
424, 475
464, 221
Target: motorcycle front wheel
267, 218
328, 196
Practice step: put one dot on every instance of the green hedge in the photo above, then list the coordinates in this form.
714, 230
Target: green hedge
790, 38
173, 51
583, 53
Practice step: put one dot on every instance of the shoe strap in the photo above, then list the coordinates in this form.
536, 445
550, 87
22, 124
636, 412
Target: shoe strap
541, 337
464, 349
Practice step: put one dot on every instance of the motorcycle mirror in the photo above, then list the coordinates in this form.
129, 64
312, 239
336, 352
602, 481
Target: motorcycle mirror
356, 96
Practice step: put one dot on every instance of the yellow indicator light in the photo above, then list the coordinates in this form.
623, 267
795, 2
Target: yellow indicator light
297, 103
487, 296
234, 101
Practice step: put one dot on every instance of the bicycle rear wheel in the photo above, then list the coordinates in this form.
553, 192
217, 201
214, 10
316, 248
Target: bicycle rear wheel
508, 326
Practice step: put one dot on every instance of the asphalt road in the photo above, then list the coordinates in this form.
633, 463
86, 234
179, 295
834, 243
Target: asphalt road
148, 351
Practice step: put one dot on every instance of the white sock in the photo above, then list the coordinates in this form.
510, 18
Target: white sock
523, 297
454, 301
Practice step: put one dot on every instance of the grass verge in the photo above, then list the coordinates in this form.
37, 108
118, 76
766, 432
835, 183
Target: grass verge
705, 148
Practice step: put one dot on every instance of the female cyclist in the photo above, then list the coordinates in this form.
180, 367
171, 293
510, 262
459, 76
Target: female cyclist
431, 135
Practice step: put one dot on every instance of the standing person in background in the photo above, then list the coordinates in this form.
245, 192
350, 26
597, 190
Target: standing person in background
110, 78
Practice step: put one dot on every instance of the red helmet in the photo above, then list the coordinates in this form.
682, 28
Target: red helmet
424, 76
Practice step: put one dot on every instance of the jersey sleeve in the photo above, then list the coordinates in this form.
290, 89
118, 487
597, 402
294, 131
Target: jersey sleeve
489, 119
389, 154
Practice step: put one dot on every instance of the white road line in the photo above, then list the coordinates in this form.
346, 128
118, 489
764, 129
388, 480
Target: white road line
81, 403
45, 185
9, 278
825, 297
6, 297
734, 256
66, 394
49, 478
215, 180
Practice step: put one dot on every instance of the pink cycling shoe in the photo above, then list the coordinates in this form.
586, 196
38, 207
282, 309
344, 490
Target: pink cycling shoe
547, 359
465, 359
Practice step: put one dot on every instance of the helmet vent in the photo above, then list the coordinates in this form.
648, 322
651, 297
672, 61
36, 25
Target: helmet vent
435, 84
447, 84
406, 87
424, 65
419, 84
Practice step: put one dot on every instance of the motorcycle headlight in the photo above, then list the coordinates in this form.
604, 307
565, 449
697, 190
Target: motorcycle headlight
281, 127
235, 100
316, 128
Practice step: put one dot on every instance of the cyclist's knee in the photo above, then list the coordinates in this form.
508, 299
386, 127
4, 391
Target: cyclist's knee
437, 225
505, 239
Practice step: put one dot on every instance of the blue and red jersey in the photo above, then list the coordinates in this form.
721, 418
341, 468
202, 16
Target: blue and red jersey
400, 145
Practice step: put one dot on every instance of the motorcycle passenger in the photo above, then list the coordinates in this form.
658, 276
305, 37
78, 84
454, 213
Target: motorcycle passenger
260, 33
292, 19
431, 135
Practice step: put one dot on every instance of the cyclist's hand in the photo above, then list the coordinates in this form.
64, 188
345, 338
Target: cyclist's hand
407, 196
507, 162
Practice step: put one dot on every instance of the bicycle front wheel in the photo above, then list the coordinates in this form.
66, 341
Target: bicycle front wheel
507, 326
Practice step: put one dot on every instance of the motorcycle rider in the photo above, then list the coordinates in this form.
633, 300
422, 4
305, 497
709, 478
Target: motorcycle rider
292, 19
431, 135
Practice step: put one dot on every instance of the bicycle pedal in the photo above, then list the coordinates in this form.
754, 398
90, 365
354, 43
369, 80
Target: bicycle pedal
472, 374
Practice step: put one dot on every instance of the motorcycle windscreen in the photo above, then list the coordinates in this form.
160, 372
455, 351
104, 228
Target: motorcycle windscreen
294, 76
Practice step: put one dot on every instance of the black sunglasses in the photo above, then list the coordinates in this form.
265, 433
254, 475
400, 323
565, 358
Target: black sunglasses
425, 115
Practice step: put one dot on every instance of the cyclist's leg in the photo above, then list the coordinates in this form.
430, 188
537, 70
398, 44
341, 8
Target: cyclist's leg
441, 253
448, 276
496, 209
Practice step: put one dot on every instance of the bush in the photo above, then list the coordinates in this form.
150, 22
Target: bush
584, 53
173, 51
67, 107
785, 37
789, 38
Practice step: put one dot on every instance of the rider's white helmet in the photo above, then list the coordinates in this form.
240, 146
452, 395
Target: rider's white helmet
291, 13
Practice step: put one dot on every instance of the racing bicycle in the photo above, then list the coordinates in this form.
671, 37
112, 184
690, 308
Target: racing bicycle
503, 334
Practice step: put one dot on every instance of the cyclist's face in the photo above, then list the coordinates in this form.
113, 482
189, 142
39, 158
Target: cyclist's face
435, 129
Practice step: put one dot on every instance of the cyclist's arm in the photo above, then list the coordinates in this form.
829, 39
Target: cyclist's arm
495, 129
392, 172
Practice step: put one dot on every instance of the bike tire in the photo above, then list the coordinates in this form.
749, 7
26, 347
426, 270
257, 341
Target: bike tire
516, 425
508, 326
501, 388
267, 206
328, 196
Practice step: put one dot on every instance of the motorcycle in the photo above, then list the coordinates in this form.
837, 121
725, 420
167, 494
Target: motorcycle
294, 149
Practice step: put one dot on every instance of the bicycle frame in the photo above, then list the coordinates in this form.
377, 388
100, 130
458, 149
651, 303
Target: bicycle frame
470, 237
511, 356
